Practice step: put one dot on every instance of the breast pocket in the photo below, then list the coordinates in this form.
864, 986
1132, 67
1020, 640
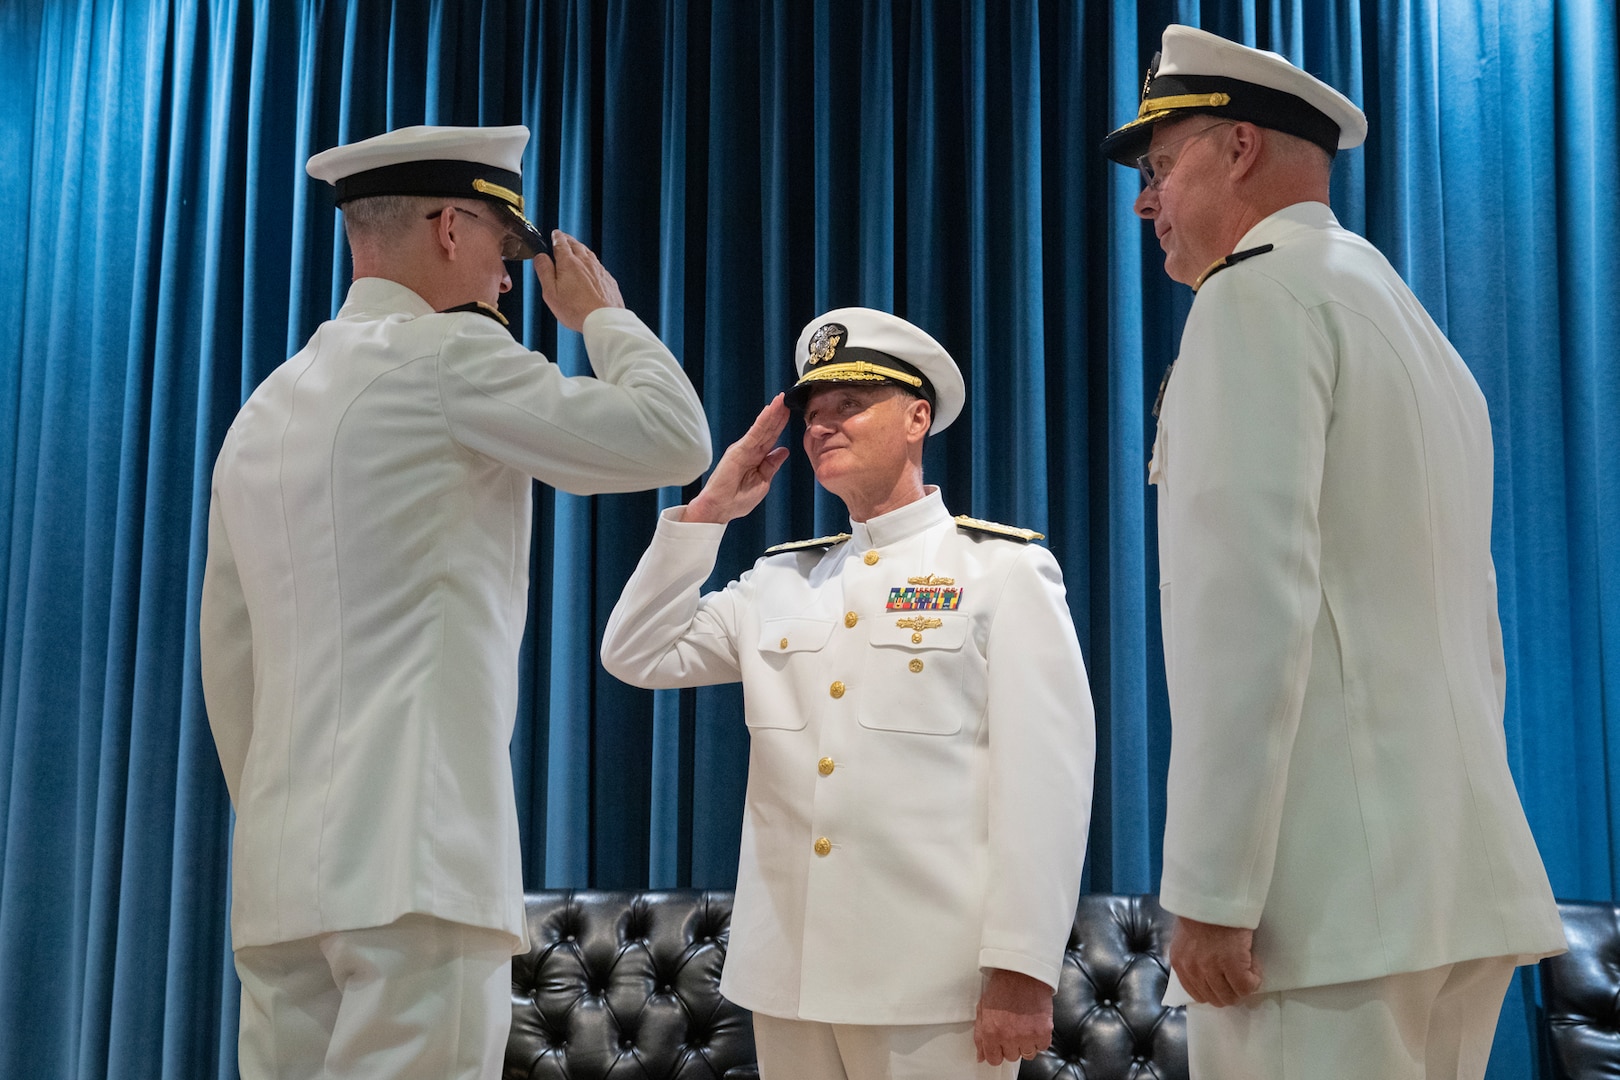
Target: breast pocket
767, 701
920, 674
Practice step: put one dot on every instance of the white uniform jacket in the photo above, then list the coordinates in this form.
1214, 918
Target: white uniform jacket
920, 768
1338, 769
365, 595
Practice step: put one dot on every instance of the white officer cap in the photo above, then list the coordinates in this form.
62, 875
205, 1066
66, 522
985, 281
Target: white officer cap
452, 162
1198, 72
863, 345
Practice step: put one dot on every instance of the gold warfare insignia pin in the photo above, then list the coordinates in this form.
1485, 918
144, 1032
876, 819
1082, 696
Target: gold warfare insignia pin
824, 342
919, 622
930, 579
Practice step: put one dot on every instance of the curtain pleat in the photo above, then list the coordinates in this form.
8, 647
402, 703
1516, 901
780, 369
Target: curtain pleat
740, 165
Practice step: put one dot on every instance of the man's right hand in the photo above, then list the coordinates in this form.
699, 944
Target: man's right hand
574, 282
740, 481
1216, 964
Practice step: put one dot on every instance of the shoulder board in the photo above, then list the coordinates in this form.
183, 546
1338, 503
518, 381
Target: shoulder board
1230, 260
807, 545
478, 307
995, 528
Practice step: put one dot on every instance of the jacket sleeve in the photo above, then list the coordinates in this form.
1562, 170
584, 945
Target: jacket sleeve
1042, 752
637, 424
1247, 414
663, 632
225, 642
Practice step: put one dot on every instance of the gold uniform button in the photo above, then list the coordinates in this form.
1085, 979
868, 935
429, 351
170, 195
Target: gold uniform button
916, 637
823, 846
850, 618
784, 643
836, 689
826, 766
916, 665
871, 558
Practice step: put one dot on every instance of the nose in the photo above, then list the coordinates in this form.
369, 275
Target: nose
1147, 204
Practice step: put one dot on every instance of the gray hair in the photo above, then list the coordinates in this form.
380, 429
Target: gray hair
373, 220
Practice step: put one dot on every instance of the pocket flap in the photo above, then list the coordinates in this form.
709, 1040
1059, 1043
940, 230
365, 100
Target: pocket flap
794, 633
920, 630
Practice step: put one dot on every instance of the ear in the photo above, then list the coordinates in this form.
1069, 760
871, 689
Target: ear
444, 233
1244, 143
919, 418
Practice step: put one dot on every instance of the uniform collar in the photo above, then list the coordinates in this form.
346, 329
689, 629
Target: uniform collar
380, 296
1288, 223
901, 524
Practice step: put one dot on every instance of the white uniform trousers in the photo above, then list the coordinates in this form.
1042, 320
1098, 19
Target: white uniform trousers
419, 999
808, 1050
1423, 1025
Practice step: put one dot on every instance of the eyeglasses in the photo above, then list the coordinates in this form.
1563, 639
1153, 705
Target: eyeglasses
1153, 176
511, 243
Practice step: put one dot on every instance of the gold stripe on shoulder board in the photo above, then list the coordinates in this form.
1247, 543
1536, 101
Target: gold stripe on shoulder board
995, 528
806, 545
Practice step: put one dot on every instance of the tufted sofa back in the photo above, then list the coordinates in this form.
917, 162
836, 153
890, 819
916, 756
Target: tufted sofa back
1107, 1019
626, 986
1581, 994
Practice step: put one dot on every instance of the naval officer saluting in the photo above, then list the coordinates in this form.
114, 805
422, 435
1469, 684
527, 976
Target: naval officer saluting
920, 724
364, 598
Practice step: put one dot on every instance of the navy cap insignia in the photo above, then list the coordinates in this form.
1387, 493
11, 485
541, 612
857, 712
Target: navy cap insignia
824, 342
1147, 80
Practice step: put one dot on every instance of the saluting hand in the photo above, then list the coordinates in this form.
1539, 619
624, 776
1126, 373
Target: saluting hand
574, 282
740, 481
1216, 963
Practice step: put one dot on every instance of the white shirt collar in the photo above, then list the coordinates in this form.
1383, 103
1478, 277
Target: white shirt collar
901, 524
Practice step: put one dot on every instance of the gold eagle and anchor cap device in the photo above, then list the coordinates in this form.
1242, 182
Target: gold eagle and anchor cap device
857, 345
1196, 72
484, 163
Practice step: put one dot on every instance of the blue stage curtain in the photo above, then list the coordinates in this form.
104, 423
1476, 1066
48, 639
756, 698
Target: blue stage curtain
740, 165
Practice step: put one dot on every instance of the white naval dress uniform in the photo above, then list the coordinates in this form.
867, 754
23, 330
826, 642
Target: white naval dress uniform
1338, 771
919, 783
365, 596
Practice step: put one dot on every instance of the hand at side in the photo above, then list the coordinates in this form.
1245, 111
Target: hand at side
1216, 964
1014, 1017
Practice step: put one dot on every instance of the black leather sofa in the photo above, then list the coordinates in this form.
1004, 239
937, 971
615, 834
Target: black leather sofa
625, 986
1580, 993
